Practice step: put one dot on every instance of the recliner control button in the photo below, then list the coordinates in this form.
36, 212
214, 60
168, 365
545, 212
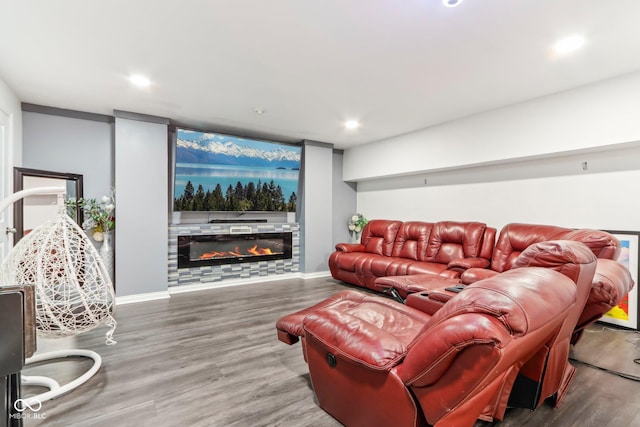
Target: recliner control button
331, 360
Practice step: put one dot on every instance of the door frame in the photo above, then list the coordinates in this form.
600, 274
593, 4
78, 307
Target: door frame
6, 165
18, 184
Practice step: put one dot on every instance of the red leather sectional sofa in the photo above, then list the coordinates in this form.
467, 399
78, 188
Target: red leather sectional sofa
503, 341
466, 251
414, 256
448, 358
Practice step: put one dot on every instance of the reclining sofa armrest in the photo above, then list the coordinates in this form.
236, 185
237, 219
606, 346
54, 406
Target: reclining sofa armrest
422, 301
354, 339
432, 354
449, 274
473, 275
602, 243
463, 264
611, 282
350, 247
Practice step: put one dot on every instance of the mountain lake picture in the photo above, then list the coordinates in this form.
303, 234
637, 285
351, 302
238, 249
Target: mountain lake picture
217, 172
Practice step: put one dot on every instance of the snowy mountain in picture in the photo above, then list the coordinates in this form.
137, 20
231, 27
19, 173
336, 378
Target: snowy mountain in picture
209, 148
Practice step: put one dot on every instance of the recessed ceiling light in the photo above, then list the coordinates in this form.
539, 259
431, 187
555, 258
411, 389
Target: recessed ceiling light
568, 44
352, 124
139, 80
451, 3
259, 111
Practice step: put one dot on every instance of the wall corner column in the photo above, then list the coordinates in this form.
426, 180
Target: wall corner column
141, 203
316, 210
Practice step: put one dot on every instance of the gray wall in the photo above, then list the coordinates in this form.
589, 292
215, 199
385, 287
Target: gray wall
70, 145
316, 219
142, 228
344, 201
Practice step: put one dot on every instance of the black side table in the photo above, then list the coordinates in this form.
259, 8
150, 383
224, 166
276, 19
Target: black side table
12, 335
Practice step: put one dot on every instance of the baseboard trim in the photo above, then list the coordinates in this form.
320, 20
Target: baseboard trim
150, 296
226, 283
316, 275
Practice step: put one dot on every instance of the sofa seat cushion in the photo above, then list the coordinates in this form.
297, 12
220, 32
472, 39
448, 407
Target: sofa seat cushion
373, 334
360, 305
434, 268
385, 266
375, 266
291, 325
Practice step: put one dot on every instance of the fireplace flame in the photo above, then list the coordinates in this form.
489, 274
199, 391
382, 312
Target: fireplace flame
254, 250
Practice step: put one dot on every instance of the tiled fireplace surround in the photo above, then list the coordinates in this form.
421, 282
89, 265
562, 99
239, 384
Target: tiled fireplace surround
219, 273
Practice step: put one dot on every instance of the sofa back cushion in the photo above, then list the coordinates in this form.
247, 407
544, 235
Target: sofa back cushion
602, 244
452, 240
488, 242
378, 236
412, 240
565, 256
515, 238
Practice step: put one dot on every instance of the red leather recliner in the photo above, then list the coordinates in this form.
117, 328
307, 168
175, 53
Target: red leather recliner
377, 362
549, 373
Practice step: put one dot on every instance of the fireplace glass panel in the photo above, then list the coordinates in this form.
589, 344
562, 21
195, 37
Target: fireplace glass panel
201, 250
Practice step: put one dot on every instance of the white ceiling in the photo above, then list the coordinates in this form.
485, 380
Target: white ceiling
396, 65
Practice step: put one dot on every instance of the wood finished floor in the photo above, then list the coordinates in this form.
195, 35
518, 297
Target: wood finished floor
211, 358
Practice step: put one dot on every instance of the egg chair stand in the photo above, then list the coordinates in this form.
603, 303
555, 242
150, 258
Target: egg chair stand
73, 290
55, 389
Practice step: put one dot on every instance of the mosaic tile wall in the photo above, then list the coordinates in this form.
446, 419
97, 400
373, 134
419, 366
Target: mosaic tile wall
218, 273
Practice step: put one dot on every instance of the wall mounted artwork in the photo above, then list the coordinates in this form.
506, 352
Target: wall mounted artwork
626, 313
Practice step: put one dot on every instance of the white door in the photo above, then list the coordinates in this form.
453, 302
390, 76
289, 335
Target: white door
6, 168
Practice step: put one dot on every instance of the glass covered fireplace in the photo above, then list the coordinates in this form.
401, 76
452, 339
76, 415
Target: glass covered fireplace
215, 249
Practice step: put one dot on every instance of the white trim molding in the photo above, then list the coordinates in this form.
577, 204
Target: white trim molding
316, 275
226, 283
150, 296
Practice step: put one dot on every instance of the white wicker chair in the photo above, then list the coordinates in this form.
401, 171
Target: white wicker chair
73, 290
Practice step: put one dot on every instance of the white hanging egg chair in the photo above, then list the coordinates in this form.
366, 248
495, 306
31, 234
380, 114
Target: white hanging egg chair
73, 291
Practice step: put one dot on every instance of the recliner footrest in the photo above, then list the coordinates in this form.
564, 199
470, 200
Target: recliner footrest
290, 327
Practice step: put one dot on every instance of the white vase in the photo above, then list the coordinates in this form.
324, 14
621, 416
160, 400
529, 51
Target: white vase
106, 252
